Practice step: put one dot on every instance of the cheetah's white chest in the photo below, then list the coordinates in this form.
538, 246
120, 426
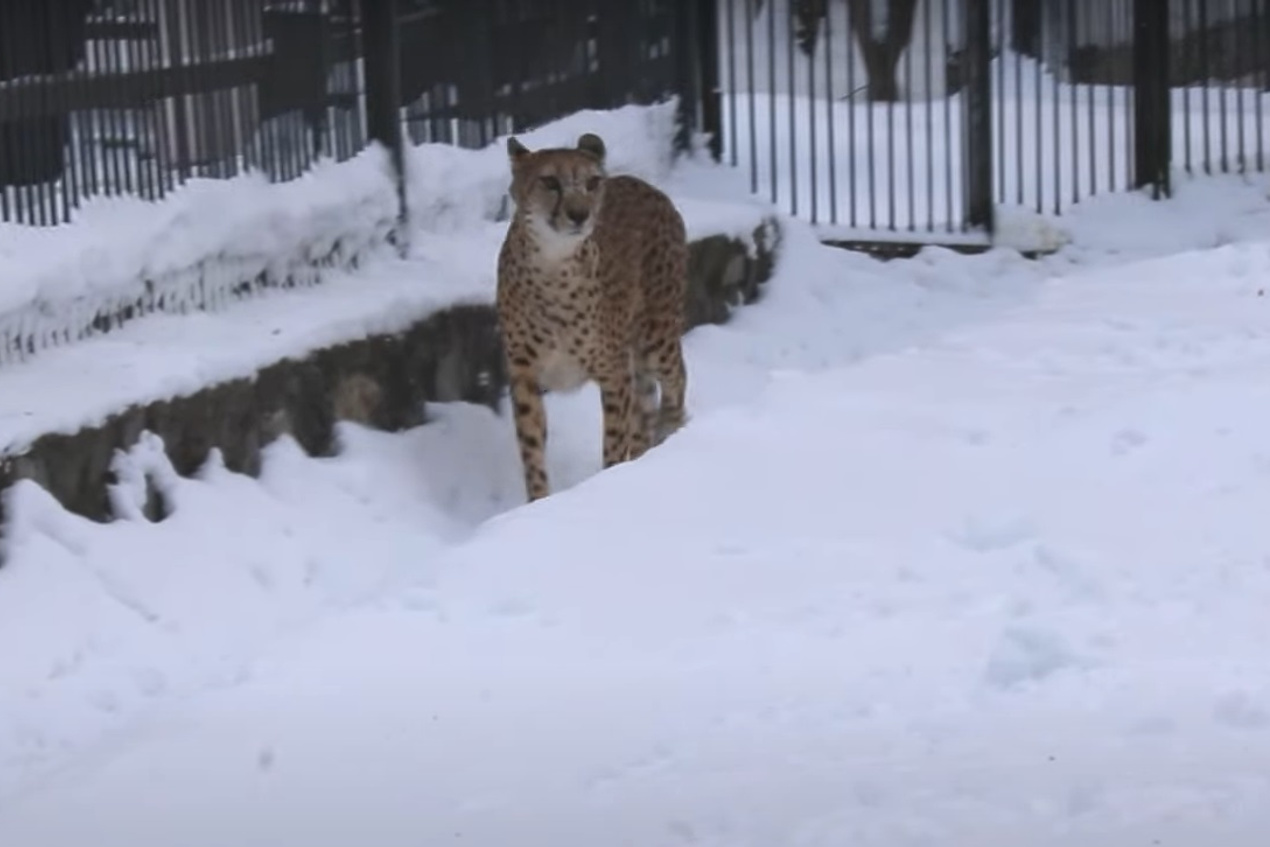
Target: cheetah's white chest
558, 371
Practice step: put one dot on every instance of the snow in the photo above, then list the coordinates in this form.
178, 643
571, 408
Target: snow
452, 188
956, 550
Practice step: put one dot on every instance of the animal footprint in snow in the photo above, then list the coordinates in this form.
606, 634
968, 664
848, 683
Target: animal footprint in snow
1239, 710
1126, 441
985, 536
1026, 654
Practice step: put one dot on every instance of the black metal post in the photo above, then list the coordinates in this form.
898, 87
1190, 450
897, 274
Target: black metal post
381, 47
978, 115
1025, 27
687, 83
707, 49
1152, 118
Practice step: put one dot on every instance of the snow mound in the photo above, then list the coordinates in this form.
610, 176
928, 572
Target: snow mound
452, 189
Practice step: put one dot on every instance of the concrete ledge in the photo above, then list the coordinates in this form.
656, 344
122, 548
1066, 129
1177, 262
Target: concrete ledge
890, 250
384, 381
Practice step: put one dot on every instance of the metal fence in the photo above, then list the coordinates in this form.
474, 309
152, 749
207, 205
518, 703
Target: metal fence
137, 96
105, 97
913, 119
894, 119
474, 69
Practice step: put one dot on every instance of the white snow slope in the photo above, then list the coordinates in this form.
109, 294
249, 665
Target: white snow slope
956, 551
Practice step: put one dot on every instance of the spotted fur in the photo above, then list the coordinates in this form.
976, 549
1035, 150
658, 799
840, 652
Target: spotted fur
591, 287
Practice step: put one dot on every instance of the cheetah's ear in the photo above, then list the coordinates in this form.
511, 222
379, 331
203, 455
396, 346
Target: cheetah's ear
593, 144
516, 150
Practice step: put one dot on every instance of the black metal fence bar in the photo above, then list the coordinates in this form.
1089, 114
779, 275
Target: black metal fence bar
383, 91
1152, 123
703, 65
978, 120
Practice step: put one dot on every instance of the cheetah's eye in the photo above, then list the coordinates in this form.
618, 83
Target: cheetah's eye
550, 183
593, 183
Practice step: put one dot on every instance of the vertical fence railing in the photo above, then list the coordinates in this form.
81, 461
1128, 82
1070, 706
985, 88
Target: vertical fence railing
382, 69
1151, 84
978, 119
854, 115
105, 97
704, 74
1219, 56
915, 118
1066, 105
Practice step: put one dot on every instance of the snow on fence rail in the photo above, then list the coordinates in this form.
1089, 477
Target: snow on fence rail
210, 242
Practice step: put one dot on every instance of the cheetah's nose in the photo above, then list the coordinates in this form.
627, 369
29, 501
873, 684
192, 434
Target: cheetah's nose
578, 216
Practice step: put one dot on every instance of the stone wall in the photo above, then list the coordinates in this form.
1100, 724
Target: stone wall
385, 381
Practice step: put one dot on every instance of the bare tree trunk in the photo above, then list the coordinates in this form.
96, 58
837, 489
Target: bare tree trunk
882, 57
808, 15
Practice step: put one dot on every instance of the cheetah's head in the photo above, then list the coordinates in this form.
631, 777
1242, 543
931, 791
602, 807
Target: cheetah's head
559, 190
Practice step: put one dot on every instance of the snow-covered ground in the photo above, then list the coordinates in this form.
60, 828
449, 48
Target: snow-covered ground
959, 550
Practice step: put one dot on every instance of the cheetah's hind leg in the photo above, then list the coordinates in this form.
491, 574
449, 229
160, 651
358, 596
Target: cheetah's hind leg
645, 413
667, 362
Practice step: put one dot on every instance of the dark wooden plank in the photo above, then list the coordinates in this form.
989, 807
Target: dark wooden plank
76, 92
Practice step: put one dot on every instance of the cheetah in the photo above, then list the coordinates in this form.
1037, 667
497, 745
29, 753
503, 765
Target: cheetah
592, 279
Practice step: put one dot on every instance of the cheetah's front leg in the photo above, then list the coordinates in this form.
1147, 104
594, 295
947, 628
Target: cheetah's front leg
617, 396
531, 431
